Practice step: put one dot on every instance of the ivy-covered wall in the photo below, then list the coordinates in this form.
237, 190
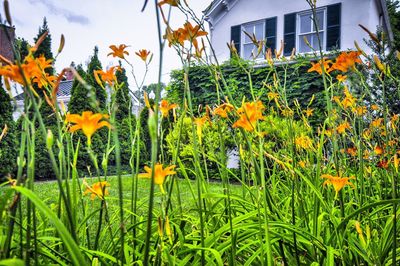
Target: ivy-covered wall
293, 77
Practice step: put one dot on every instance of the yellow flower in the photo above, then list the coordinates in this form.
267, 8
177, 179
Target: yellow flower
143, 54
272, 95
200, 121
165, 107
337, 182
341, 78
98, 189
349, 100
88, 122
352, 151
378, 150
223, 110
341, 129
376, 123
159, 174
302, 164
118, 51
249, 113
303, 142
309, 112
360, 110
375, 107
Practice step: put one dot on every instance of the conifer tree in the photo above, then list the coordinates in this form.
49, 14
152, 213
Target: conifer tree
45, 50
122, 98
79, 101
100, 93
8, 144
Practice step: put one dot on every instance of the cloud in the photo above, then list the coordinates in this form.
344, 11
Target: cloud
67, 14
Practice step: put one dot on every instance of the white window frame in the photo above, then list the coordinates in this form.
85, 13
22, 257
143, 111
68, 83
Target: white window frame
323, 31
243, 38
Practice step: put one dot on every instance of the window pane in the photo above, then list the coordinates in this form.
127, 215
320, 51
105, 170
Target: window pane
305, 23
320, 20
249, 30
259, 31
303, 47
247, 48
315, 41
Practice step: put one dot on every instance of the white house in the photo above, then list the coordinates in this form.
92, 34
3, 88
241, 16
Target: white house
290, 21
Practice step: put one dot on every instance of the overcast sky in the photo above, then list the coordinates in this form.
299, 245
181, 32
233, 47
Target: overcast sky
86, 23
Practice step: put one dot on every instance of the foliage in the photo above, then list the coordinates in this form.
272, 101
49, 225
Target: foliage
394, 15
122, 98
8, 144
80, 100
204, 91
99, 93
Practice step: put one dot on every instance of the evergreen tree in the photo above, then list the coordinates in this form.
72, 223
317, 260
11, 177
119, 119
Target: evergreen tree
79, 101
100, 93
122, 98
21, 46
8, 144
45, 50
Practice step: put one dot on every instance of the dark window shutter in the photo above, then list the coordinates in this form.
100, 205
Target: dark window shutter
289, 33
270, 33
333, 27
235, 37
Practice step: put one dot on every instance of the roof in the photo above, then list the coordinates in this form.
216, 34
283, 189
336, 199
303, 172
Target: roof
64, 90
226, 5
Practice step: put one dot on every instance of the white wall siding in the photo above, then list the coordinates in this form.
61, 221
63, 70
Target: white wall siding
354, 12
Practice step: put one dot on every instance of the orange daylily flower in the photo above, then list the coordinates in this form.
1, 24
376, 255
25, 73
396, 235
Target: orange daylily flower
174, 37
376, 123
165, 107
250, 113
349, 100
341, 129
88, 122
352, 151
169, 2
159, 174
118, 51
223, 110
98, 189
337, 182
346, 61
107, 77
360, 110
384, 164
317, 67
378, 150
143, 54
341, 78
309, 112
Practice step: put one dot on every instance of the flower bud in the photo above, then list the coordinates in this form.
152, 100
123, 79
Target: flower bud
49, 139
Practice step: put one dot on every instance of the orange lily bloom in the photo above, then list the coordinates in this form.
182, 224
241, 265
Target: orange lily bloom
159, 174
303, 142
378, 150
88, 122
346, 61
317, 67
107, 77
143, 54
341, 78
118, 51
337, 182
249, 113
98, 189
223, 110
341, 129
165, 107
174, 37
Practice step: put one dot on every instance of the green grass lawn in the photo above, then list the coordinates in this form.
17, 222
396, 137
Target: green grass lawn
48, 191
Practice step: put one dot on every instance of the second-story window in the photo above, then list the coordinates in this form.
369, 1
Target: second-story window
249, 49
307, 30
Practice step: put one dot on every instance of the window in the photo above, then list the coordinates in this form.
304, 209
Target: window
263, 30
249, 49
307, 30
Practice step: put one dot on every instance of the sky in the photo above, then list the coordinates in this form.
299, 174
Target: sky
87, 23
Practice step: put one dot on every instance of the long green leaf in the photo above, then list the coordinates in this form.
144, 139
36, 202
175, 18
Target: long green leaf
73, 249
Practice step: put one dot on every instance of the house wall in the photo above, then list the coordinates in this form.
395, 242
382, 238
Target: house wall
354, 12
